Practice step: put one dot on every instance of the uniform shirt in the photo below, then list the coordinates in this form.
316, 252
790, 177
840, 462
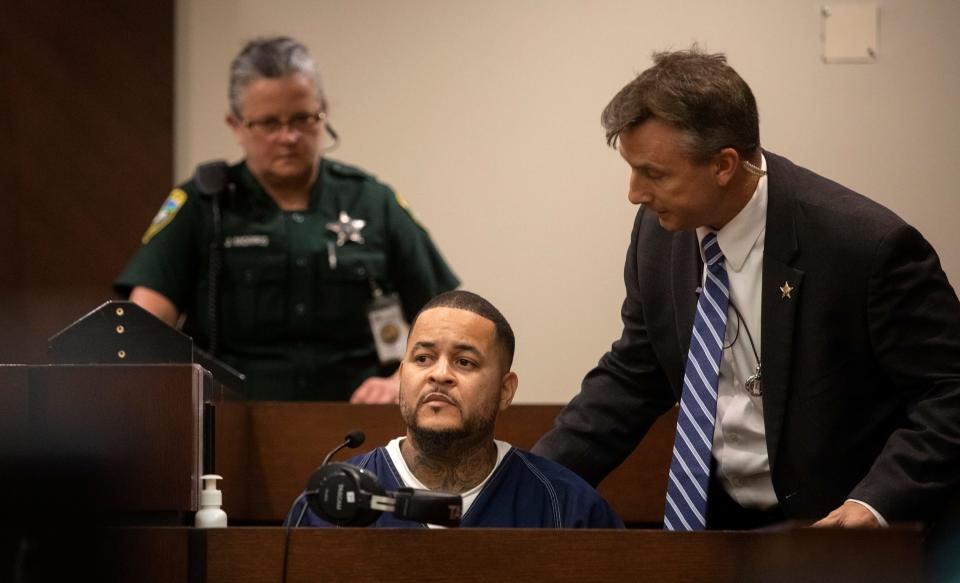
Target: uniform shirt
292, 304
523, 491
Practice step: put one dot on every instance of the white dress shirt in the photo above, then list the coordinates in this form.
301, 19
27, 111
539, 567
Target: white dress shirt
739, 438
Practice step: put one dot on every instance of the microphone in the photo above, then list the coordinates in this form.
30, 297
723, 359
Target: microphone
352, 440
333, 133
336, 139
212, 178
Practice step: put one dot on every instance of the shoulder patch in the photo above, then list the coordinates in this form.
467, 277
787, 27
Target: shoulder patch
167, 211
406, 206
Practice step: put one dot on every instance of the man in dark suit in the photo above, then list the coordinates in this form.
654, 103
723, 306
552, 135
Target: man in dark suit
853, 419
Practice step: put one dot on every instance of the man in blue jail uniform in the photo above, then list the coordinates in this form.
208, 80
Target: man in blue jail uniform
454, 380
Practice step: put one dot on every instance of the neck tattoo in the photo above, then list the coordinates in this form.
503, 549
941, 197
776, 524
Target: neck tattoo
453, 474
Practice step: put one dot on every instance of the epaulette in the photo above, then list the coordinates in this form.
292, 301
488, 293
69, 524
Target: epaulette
342, 169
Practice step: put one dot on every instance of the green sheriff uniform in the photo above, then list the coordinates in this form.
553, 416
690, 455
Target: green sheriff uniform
292, 303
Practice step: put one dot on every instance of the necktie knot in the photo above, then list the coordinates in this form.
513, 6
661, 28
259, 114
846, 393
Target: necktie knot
711, 249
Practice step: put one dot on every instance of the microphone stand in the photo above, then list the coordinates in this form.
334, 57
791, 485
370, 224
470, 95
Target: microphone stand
352, 440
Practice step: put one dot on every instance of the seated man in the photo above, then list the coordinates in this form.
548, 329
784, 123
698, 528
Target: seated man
454, 380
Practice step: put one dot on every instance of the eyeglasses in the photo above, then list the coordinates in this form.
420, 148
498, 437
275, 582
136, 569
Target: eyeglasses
300, 122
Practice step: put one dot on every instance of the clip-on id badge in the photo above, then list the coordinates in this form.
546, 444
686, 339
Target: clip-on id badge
388, 326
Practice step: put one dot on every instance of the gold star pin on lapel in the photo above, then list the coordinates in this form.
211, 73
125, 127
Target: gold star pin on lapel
786, 290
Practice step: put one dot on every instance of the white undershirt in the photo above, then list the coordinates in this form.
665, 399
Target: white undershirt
411, 481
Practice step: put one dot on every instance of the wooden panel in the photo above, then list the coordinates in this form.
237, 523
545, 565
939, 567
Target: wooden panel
14, 404
234, 459
254, 555
15, 442
128, 433
74, 551
287, 441
481, 555
155, 555
87, 94
637, 489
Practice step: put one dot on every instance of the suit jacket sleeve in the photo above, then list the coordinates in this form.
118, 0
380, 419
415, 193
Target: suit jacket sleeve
914, 327
619, 399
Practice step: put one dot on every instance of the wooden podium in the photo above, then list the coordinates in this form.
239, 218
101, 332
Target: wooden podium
125, 439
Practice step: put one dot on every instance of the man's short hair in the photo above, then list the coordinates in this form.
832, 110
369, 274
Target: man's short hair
699, 93
271, 58
471, 302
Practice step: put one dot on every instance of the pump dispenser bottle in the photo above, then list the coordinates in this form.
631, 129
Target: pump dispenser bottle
210, 515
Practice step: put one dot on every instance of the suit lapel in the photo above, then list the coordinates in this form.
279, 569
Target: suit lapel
778, 309
687, 271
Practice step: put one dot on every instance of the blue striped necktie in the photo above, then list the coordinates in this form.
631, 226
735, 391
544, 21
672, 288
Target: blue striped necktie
686, 507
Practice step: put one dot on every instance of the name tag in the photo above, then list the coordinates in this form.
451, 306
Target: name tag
388, 327
247, 241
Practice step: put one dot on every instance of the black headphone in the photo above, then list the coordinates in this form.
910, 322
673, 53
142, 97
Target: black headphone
342, 494
345, 495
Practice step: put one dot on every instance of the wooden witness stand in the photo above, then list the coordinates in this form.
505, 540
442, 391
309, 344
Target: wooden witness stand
244, 554
288, 440
137, 432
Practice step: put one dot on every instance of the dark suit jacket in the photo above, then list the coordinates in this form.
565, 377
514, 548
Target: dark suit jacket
861, 366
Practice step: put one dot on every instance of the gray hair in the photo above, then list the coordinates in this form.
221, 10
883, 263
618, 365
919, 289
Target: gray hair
271, 58
699, 93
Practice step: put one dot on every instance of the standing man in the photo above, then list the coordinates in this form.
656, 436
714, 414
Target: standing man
294, 269
454, 382
809, 335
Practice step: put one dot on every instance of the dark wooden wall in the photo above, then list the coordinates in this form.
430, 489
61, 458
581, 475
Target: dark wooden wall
86, 155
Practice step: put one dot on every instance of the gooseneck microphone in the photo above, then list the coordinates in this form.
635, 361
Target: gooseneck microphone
353, 439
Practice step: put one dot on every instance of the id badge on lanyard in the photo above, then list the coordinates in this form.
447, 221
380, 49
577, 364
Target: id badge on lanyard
387, 325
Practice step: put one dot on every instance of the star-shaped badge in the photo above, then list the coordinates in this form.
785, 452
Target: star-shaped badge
347, 229
786, 290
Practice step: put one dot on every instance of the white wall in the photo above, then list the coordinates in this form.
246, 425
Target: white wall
485, 116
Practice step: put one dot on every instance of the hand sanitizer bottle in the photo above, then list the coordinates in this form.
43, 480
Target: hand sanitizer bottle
210, 514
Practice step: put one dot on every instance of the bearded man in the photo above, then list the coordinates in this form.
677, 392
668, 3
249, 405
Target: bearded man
455, 379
